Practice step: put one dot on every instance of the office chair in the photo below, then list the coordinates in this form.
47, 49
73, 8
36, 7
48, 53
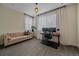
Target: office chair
47, 36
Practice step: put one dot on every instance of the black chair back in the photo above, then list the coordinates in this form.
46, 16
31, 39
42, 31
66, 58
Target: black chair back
48, 32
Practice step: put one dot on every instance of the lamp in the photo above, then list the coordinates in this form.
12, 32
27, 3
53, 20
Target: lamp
36, 8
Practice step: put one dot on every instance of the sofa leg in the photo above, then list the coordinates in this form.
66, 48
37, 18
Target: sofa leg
1, 46
5, 46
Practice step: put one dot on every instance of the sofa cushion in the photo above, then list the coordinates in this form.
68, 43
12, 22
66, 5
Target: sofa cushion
18, 39
26, 33
11, 38
15, 34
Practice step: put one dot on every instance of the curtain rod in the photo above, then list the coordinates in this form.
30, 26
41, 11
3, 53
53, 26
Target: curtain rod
51, 10
28, 15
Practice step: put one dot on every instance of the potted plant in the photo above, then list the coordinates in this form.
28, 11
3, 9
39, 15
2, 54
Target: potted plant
33, 28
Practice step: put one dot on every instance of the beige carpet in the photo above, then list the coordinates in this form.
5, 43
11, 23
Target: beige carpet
35, 48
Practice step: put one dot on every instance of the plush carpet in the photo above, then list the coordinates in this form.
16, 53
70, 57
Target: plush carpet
35, 48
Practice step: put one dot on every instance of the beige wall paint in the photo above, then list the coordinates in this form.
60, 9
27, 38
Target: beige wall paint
10, 21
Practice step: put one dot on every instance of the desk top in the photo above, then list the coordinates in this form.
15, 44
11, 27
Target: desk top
54, 34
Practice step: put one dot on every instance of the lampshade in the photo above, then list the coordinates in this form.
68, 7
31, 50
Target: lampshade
36, 9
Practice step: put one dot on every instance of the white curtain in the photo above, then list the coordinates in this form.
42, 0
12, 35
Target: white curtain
46, 20
28, 23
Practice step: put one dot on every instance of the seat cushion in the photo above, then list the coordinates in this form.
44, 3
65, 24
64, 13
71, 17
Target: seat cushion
15, 34
18, 39
21, 37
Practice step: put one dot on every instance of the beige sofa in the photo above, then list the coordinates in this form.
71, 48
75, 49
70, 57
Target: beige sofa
11, 38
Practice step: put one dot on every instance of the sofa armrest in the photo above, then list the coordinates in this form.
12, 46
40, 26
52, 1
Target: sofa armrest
6, 39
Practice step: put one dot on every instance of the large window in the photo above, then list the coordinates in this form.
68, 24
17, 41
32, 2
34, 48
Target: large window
46, 20
28, 23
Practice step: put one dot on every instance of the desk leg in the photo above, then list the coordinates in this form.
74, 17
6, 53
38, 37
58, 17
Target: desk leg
58, 40
43, 38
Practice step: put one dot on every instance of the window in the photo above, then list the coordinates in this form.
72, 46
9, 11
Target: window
46, 20
28, 23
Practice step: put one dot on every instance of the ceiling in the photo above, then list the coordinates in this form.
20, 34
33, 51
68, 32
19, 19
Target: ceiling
28, 8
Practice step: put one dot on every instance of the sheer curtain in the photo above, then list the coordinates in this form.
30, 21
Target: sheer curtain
28, 23
46, 20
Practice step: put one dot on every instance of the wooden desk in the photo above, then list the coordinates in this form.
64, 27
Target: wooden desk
55, 34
